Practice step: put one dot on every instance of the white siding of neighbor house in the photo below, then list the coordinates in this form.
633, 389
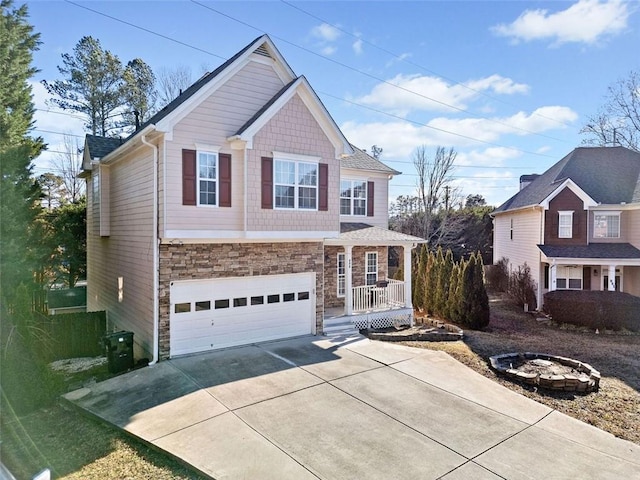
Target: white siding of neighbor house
292, 130
527, 227
380, 201
211, 123
127, 252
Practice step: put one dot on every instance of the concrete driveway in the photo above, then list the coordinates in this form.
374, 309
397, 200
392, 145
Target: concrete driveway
348, 408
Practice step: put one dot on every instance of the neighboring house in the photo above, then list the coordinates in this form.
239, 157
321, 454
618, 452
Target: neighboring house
240, 213
578, 224
67, 300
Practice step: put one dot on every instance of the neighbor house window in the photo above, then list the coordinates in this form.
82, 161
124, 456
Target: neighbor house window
207, 178
606, 225
569, 278
565, 224
353, 197
296, 185
372, 268
342, 274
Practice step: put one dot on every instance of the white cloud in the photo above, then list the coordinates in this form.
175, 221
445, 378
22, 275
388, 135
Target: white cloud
357, 46
405, 93
399, 138
586, 21
328, 50
489, 157
325, 32
399, 58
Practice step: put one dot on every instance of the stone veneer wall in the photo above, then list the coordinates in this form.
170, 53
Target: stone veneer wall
205, 261
358, 270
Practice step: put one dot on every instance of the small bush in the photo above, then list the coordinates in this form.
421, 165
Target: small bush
522, 287
498, 275
594, 309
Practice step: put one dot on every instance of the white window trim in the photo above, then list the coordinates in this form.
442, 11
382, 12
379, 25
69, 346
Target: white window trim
216, 180
352, 198
605, 214
341, 275
565, 273
366, 268
297, 160
569, 214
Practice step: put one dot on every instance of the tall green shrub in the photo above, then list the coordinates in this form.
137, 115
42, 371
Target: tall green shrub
480, 314
442, 289
418, 281
431, 283
453, 300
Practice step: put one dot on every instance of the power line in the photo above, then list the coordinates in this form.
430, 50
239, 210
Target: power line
403, 58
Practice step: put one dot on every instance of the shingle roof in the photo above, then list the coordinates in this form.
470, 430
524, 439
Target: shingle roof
101, 146
266, 106
365, 233
592, 250
361, 160
608, 175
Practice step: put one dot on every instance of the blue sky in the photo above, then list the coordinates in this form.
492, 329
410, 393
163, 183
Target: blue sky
507, 84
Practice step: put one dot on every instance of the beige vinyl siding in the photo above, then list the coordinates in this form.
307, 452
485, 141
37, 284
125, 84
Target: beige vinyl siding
631, 226
127, 252
380, 201
292, 130
527, 225
625, 227
211, 123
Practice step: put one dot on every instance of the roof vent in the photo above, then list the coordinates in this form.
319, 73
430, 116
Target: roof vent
262, 50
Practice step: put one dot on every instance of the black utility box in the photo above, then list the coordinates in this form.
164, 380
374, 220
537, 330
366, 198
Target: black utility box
119, 350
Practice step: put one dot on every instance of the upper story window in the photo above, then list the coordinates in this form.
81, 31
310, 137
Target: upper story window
606, 225
296, 185
353, 197
207, 178
565, 224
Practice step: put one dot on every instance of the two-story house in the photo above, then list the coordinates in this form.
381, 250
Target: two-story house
577, 226
240, 213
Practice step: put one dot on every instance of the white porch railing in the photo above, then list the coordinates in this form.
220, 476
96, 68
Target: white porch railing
372, 298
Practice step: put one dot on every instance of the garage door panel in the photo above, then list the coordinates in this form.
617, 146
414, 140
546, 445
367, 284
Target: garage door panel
197, 325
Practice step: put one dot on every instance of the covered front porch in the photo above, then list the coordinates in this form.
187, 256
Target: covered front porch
358, 290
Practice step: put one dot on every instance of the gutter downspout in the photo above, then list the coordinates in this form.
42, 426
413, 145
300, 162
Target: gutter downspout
156, 302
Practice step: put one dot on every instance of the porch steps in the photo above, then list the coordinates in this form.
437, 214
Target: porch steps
339, 326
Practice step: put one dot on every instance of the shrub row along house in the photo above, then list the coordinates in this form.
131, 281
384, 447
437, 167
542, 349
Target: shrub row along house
577, 226
239, 213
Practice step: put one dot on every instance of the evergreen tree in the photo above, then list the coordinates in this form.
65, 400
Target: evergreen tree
19, 192
92, 85
453, 307
481, 314
444, 279
431, 283
139, 92
419, 279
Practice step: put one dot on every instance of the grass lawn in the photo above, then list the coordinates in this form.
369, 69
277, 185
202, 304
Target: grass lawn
615, 408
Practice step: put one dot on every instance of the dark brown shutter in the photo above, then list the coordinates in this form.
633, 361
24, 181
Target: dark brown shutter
370, 209
323, 187
189, 177
267, 182
224, 160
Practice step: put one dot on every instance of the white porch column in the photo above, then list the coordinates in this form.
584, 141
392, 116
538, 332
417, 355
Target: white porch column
612, 278
348, 289
408, 301
552, 280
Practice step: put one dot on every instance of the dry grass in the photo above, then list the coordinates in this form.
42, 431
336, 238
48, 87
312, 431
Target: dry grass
614, 408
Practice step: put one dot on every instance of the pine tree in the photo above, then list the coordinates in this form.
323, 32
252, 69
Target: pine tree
444, 279
139, 92
19, 191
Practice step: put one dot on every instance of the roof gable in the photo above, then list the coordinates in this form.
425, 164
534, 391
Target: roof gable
606, 175
300, 87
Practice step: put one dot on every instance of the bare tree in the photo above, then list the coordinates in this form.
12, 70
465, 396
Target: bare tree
434, 190
171, 82
69, 165
618, 121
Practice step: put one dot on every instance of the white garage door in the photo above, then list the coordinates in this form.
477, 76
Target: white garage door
225, 312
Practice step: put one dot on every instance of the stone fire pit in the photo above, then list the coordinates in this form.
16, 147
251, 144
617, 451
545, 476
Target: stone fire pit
547, 371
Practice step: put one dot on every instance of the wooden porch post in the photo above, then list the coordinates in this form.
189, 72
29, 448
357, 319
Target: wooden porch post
348, 290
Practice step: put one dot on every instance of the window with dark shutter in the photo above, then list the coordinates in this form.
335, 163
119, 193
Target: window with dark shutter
323, 183
189, 187
370, 209
224, 160
267, 183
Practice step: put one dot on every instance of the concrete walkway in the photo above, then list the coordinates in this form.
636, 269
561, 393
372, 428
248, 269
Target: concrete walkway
348, 408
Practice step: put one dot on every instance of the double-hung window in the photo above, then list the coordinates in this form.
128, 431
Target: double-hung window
353, 197
207, 178
372, 268
296, 185
565, 224
342, 274
568, 278
606, 225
